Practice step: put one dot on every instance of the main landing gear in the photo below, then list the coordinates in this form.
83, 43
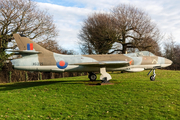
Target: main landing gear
105, 77
92, 76
152, 78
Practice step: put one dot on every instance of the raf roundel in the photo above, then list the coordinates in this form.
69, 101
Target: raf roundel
62, 64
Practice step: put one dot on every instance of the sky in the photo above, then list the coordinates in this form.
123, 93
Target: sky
68, 16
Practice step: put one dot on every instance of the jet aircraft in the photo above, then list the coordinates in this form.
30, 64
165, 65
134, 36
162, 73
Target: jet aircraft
37, 58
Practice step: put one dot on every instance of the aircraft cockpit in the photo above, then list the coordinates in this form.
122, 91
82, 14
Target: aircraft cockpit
140, 54
144, 53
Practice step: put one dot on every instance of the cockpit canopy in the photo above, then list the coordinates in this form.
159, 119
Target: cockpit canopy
140, 54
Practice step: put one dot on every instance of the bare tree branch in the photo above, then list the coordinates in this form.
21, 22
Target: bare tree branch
123, 24
136, 26
97, 34
23, 17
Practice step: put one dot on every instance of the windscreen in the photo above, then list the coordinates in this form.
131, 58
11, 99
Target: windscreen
144, 53
140, 54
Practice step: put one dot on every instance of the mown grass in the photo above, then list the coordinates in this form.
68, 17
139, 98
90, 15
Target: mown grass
133, 96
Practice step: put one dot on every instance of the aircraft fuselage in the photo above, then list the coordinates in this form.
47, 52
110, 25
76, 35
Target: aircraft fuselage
48, 63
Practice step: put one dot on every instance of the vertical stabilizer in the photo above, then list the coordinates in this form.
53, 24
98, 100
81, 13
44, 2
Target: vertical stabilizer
46, 57
25, 43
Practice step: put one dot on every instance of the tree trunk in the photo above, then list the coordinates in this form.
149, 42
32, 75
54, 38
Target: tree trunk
124, 49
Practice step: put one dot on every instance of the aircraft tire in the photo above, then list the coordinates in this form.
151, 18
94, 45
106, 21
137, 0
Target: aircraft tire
92, 77
152, 78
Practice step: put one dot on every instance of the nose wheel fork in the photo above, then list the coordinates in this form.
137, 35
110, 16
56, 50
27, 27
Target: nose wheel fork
152, 78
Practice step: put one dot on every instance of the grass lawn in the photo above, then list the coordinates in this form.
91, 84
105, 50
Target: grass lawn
133, 96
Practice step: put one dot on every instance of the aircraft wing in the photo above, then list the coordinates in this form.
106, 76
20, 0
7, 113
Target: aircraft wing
24, 51
105, 63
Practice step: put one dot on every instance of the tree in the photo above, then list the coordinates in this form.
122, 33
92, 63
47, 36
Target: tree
23, 17
150, 45
125, 24
176, 62
172, 52
53, 46
135, 27
97, 34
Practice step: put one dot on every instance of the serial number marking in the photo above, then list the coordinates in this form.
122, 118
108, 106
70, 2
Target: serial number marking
37, 63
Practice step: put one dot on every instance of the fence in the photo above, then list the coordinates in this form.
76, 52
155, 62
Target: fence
8, 75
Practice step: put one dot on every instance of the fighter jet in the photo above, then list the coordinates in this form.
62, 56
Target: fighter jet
37, 58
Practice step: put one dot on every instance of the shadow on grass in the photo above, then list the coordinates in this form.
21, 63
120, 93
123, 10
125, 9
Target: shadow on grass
22, 85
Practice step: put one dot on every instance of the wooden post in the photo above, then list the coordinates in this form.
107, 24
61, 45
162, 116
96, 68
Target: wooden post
20, 79
63, 74
52, 75
40, 75
10, 76
26, 77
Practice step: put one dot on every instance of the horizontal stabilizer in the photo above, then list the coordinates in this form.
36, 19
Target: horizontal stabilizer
24, 51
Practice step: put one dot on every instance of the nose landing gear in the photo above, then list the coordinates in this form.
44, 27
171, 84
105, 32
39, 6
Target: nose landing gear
152, 78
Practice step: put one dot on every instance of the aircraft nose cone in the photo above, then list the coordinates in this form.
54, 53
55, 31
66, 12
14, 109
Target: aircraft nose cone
167, 61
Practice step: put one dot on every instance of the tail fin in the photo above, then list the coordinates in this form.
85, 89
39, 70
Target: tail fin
25, 43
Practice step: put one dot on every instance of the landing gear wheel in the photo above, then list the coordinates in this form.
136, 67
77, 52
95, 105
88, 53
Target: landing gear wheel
92, 76
152, 78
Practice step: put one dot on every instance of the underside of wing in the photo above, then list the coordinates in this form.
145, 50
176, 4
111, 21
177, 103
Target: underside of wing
105, 63
24, 52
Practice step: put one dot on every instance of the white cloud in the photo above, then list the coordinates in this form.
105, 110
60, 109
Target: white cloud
165, 13
69, 19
